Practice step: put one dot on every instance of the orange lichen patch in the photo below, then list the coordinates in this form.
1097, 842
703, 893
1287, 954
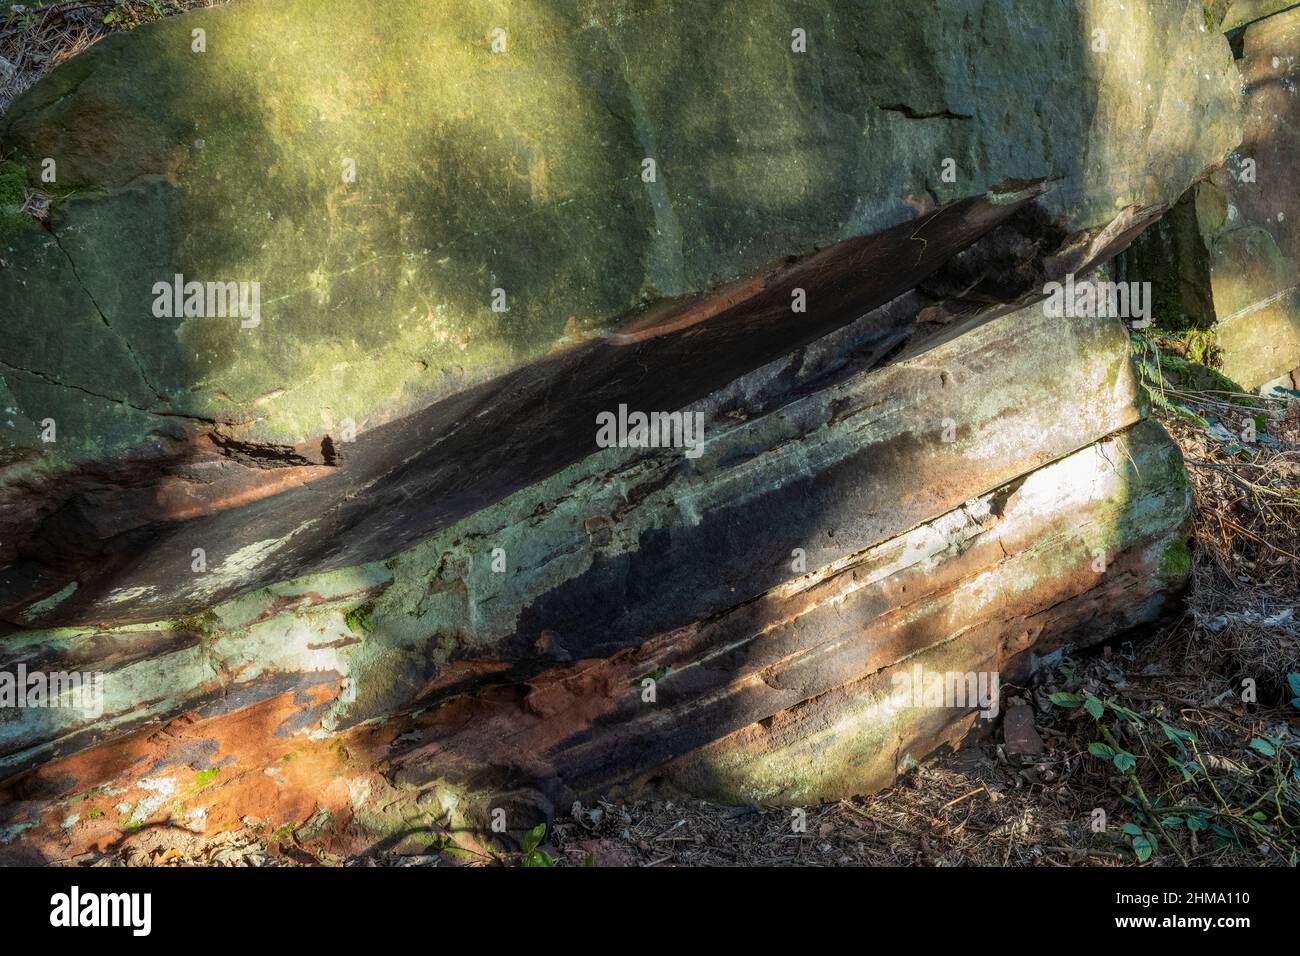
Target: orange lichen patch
200, 775
179, 499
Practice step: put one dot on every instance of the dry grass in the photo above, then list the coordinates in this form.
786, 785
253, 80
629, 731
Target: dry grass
1247, 518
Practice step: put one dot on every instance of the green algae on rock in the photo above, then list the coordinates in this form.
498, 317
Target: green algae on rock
521, 171
457, 242
470, 239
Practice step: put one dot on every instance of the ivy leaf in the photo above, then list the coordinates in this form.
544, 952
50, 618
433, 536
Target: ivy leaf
1094, 706
1143, 848
1264, 747
1063, 699
534, 837
1181, 767
1177, 735
1132, 716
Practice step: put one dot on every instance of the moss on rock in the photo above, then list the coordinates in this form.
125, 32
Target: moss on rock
520, 170
13, 195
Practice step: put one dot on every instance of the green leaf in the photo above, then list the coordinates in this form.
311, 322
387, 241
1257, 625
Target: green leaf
1196, 823
1293, 681
1094, 706
1063, 699
1171, 822
1124, 761
1132, 829
1177, 735
1264, 747
1143, 848
534, 837
1104, 751
1132, 716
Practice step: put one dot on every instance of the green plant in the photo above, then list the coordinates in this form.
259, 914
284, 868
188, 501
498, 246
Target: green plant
533, 855
1202, 346
205, 777
284, 832
1173, 785
361, 619
195, 623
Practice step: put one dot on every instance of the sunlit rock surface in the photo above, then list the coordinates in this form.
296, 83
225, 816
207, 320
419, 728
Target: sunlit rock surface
908, 131
1249, 210
470, 606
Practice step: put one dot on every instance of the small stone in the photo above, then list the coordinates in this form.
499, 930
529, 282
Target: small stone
1019, 733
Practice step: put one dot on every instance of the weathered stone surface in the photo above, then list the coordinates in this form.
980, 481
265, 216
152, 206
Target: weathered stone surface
627, 543
266, 514
1249, 210
470, 607
479, 170
1020, 737
1257, 285
1126, 498
785, 699
1242, 13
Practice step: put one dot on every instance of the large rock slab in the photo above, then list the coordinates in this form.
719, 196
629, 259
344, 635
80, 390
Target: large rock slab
788, 699
1069, 556
518, 170
1249, 212
1242, 13
628, 543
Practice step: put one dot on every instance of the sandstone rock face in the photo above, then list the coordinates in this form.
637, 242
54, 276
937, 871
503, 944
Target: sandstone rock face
906, 133
472, 606
625, 544
527, 689
1248, 214
1241, 13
